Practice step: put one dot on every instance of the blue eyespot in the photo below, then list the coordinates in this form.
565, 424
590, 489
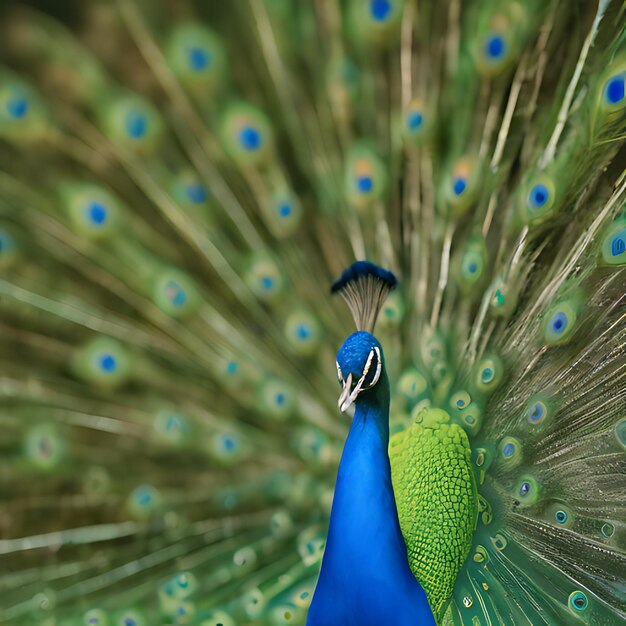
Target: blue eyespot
578, 601
143, 496
415, 120
199, 59
108, 363
17, 107
472, 267
380, 9
175, 293
196, 193
364, 184
303, 331
524, 489
263, 277
614, 89
613, 248
226, 445
537, 412
618, 243
232, 367
96, 617
560, 516
559, 322
172, 423
539, 195
183, 582
459, 185
460, 400
508, 450
280, 399
97, 213
136, 125
250, 138
487, 375
495, 47
284, 210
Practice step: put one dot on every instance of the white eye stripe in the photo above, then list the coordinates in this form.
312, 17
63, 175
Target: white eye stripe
368, 364
379, 367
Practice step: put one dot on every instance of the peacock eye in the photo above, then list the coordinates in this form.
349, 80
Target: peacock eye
371, 372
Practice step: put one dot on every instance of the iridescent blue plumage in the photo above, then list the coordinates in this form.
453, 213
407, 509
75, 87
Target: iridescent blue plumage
365, 577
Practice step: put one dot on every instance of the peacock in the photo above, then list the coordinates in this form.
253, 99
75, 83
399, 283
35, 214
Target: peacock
182, 182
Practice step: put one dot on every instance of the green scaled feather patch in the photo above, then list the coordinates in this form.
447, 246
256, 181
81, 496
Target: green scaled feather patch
437, 501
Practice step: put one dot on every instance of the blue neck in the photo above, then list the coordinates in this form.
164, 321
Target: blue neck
364, 507
365, 566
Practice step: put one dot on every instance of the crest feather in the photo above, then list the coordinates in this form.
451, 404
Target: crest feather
365, 287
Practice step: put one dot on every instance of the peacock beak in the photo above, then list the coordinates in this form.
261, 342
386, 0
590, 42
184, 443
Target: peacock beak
347, 384
349, 395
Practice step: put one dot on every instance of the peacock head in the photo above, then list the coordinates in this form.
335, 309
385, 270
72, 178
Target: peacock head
360, 361
359, 366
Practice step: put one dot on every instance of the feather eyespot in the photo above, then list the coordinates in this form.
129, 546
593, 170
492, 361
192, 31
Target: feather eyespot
559, 322
380, 10
459, 185
614, 89
527, 491
538, 196
578, 601
541, 197
199, 59
495, 46
537, 412
460, 400
607, 529
97, 213
510, 451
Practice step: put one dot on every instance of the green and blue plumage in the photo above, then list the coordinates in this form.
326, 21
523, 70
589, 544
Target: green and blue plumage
404, 509
365, 576
179, 184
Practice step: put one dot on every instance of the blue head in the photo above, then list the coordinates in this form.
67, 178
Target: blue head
360, 369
